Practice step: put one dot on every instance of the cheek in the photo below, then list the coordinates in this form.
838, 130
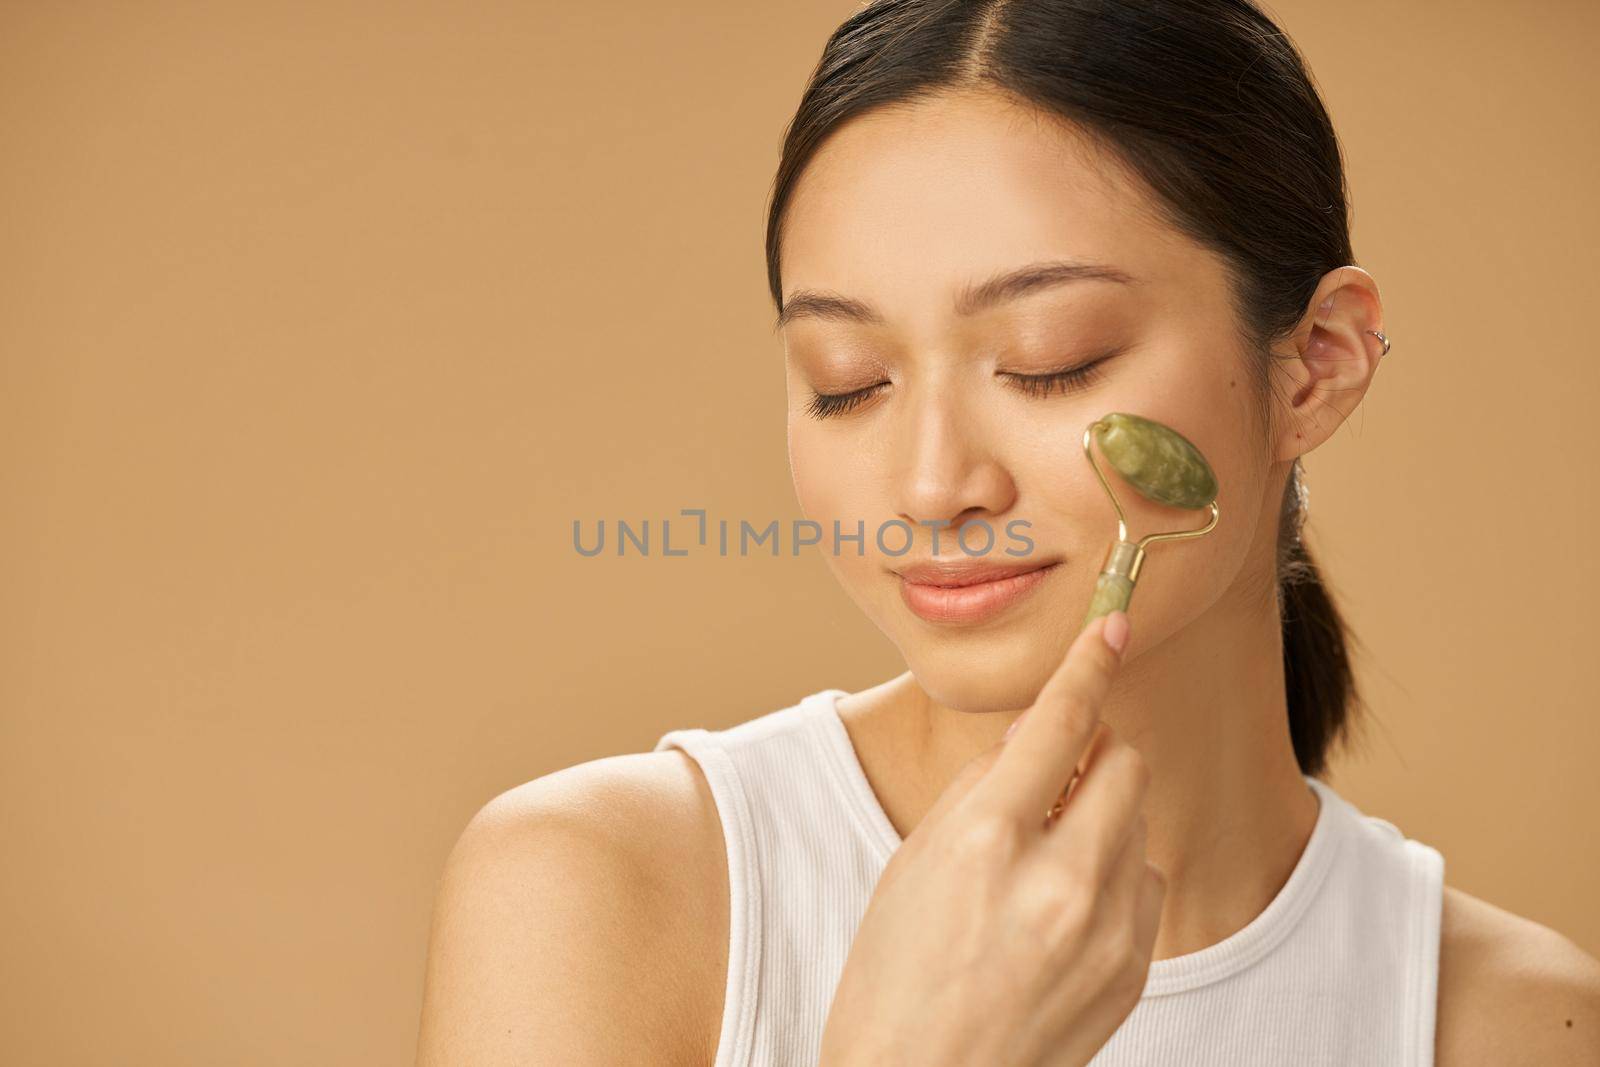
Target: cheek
816, 460
836, 481
1214, 412
1070, 509
833, 482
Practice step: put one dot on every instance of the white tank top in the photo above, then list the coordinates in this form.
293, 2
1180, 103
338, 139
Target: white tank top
1340, 969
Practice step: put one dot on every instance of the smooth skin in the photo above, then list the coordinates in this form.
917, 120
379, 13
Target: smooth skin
582, 918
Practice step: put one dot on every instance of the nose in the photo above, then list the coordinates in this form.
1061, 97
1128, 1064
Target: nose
948, 468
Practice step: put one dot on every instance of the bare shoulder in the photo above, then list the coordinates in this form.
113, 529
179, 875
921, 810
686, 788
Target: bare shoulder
582, 919
1512, 990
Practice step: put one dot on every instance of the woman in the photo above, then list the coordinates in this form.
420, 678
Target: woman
992, 223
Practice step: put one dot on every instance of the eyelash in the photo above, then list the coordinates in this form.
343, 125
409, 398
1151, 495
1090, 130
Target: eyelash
1062, 381
827, 405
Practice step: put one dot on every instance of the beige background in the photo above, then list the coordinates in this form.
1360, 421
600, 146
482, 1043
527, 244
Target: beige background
320, 323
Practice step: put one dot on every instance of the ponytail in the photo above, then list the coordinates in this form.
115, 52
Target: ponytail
1316, 662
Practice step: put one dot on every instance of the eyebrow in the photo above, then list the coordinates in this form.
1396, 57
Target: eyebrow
821, 304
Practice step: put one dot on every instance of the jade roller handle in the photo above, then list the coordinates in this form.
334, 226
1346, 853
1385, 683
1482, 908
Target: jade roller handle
1114, 588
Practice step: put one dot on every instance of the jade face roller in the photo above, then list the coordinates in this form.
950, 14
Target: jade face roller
1162, 466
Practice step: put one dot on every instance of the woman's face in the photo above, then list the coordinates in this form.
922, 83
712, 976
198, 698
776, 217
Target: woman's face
894, 227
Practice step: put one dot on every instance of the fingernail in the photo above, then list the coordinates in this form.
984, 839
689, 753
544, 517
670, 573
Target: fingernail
1116, 631
1012, 728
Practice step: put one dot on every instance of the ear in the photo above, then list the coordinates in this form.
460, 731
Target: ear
1333, 360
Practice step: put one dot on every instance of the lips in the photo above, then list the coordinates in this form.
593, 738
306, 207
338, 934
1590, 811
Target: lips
968, 591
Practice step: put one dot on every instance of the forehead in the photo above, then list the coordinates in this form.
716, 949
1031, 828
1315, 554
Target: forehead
904, 205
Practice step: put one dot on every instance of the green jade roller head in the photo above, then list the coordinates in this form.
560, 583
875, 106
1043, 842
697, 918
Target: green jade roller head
1163, 466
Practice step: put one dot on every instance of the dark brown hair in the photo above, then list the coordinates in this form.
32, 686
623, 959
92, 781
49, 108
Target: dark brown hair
1211, 104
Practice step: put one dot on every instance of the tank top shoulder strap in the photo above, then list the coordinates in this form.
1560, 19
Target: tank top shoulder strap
1392, 889
804, 853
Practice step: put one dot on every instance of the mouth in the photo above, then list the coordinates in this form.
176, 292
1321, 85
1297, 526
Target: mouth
968, 592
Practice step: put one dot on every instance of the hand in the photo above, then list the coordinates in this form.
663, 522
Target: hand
995, 936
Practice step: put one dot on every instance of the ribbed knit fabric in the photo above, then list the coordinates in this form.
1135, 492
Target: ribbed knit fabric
1340, 970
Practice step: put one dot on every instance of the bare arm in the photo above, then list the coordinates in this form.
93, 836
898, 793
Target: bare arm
553, 936
1512, 991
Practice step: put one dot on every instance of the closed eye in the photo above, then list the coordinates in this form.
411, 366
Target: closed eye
1070, 380
823, 405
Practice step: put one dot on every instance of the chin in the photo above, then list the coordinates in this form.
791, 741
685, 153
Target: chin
1002, 671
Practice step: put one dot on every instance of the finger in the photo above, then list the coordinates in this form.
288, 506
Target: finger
964, 781
1106, 802
1038, 760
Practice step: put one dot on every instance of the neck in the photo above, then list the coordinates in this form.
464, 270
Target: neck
1228, 811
